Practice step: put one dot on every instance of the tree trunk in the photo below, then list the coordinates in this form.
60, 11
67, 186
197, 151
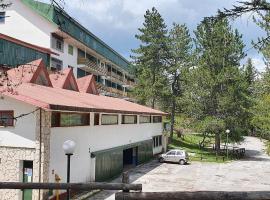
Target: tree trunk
172, 120
153, 102
217, 142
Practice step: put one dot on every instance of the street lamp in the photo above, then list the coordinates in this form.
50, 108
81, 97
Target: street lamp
227, 133
69, 148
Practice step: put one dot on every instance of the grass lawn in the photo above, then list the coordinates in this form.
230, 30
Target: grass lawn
191, 145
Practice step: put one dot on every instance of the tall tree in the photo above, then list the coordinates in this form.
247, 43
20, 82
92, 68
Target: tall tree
178, 62
249, 74
218, 82
149, 59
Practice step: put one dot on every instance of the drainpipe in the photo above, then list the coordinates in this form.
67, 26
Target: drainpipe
40, 141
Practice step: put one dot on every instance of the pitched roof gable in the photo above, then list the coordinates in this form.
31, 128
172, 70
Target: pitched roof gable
32, 72
87, 84
64, 79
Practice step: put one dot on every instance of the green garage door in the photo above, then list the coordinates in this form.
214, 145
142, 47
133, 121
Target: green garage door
109, 163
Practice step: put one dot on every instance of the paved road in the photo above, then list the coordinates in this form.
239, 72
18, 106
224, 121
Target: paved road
249, 174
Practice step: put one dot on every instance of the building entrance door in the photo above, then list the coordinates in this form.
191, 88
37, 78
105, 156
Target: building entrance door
130, 157
27, 178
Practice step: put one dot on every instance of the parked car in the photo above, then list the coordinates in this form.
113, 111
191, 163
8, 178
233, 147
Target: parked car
175, 155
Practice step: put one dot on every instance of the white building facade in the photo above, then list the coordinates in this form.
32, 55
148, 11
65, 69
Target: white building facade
36, 118
50, 27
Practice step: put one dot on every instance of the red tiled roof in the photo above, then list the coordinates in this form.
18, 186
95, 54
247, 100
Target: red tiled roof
87, 84
63, 78
57, 98
61, 99
26, 44
28, 73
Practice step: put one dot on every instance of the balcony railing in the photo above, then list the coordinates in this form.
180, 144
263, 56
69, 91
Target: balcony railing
92, 66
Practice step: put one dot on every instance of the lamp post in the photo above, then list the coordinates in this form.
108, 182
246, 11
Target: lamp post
69, 148
227, 133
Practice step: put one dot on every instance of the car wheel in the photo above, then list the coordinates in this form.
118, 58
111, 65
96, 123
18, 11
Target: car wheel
161, 160
182, 162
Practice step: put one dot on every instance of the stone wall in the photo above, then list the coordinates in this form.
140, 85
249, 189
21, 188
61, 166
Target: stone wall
12, 158
44, 137
11, 169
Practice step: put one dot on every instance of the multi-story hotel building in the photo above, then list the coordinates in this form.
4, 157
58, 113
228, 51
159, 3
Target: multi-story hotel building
28, 24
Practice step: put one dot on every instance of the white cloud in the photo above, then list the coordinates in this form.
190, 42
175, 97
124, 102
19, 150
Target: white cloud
259, 64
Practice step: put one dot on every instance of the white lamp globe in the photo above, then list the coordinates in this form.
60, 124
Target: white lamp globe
228, 131
69, 147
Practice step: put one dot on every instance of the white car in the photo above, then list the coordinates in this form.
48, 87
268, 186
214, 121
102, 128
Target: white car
175, 155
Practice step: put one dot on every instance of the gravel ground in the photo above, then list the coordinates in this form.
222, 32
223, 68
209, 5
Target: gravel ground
249, 174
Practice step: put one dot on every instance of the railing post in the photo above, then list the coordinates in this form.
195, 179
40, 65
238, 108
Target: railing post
125, 179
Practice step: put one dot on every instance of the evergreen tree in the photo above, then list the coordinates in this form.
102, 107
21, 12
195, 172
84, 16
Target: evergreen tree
149, 59
217, 89
178, 62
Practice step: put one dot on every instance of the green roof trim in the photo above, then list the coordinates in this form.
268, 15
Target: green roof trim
70, 26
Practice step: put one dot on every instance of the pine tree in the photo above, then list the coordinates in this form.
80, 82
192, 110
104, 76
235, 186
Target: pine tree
149, 59
218, 82
178, 62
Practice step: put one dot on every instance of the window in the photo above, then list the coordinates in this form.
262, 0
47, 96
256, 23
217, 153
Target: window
129, 119
157, 119
171, 153
57, 43
70, 119
107, 119
2, 17
145, 119
56, 64
70, 49
6, 118
96, 119
157, 141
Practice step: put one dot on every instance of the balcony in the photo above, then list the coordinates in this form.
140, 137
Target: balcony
91, 66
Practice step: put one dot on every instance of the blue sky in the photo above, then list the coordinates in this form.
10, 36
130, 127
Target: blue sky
117, 21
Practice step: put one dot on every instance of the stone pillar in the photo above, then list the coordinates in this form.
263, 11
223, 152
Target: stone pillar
42, 158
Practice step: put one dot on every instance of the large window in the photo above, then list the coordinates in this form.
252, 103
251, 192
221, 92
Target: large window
157, 119
108, 119
6, 118
56, 64
70, 119
157, 141
145, 119
57, 43
129, 119
2, 17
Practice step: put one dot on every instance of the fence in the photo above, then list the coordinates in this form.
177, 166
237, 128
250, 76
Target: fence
134, 191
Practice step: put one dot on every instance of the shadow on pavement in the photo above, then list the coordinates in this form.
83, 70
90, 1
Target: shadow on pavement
135, 173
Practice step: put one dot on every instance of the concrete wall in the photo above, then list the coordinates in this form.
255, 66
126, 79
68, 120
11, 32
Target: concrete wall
24, 24
96, 138
28, 128
23, 126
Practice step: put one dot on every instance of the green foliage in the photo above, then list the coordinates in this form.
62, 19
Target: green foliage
191, 145
149, 59
261, 112
217, 86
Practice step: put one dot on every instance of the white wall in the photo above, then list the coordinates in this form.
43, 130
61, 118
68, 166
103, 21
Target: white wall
97, 138
24, 126
67, 58
26, 25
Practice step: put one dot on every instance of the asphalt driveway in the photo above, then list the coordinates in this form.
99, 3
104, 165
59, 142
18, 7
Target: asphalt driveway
249, 174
